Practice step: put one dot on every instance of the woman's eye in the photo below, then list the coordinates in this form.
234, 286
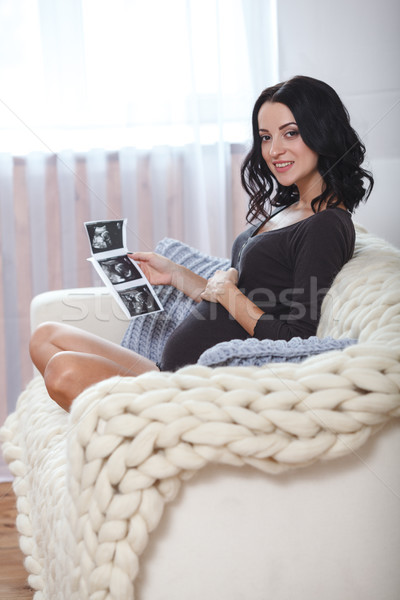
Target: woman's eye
265, 138
291, 134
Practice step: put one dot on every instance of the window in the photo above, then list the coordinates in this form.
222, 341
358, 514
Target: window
87, 73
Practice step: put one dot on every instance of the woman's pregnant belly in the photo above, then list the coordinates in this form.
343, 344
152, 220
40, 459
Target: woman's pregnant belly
208, 324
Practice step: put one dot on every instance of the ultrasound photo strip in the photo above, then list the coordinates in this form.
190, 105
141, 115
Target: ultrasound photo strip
121, 274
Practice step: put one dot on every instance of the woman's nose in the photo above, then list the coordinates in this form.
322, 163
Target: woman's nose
276, 148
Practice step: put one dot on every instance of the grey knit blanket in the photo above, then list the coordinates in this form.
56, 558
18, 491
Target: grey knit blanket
259, 352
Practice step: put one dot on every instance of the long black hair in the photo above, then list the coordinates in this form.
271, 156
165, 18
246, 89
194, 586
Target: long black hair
324, 125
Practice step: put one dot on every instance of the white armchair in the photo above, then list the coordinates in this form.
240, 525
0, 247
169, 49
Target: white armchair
101, 488
92, 309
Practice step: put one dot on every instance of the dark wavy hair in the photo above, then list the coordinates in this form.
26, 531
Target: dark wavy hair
324, 125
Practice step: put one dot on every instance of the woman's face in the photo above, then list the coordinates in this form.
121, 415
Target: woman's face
282, 147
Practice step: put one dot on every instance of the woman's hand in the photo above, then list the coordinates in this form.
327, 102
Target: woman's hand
222, 288
158, 269
218, 285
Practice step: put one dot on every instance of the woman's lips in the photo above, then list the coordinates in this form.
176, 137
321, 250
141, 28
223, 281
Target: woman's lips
283, 166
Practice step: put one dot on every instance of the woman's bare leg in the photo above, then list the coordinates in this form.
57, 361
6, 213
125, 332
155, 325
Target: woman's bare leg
51, 338
71, 360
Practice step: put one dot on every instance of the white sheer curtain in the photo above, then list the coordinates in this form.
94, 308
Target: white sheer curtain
87, 73
113, 109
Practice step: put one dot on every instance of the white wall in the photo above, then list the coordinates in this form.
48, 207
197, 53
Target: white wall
354, 45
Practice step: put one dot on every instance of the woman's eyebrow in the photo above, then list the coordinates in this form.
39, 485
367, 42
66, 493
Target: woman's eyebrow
280, 128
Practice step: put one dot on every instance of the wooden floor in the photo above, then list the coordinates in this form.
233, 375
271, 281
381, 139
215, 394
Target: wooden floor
13, 576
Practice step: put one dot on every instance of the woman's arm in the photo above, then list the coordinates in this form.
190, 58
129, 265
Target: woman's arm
222, 288
160, 270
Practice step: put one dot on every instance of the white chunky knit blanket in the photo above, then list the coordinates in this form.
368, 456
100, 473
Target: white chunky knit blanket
92, 485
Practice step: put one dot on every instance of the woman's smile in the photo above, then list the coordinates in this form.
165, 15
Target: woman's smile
282, 167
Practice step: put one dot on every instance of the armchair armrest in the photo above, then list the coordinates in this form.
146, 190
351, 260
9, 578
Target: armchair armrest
92, 309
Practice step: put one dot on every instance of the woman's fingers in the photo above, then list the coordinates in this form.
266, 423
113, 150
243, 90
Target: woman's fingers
141, 256
157, 268
216, 285
233, 275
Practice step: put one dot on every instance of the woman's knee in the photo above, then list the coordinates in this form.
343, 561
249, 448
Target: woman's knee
45, 332
60, 377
